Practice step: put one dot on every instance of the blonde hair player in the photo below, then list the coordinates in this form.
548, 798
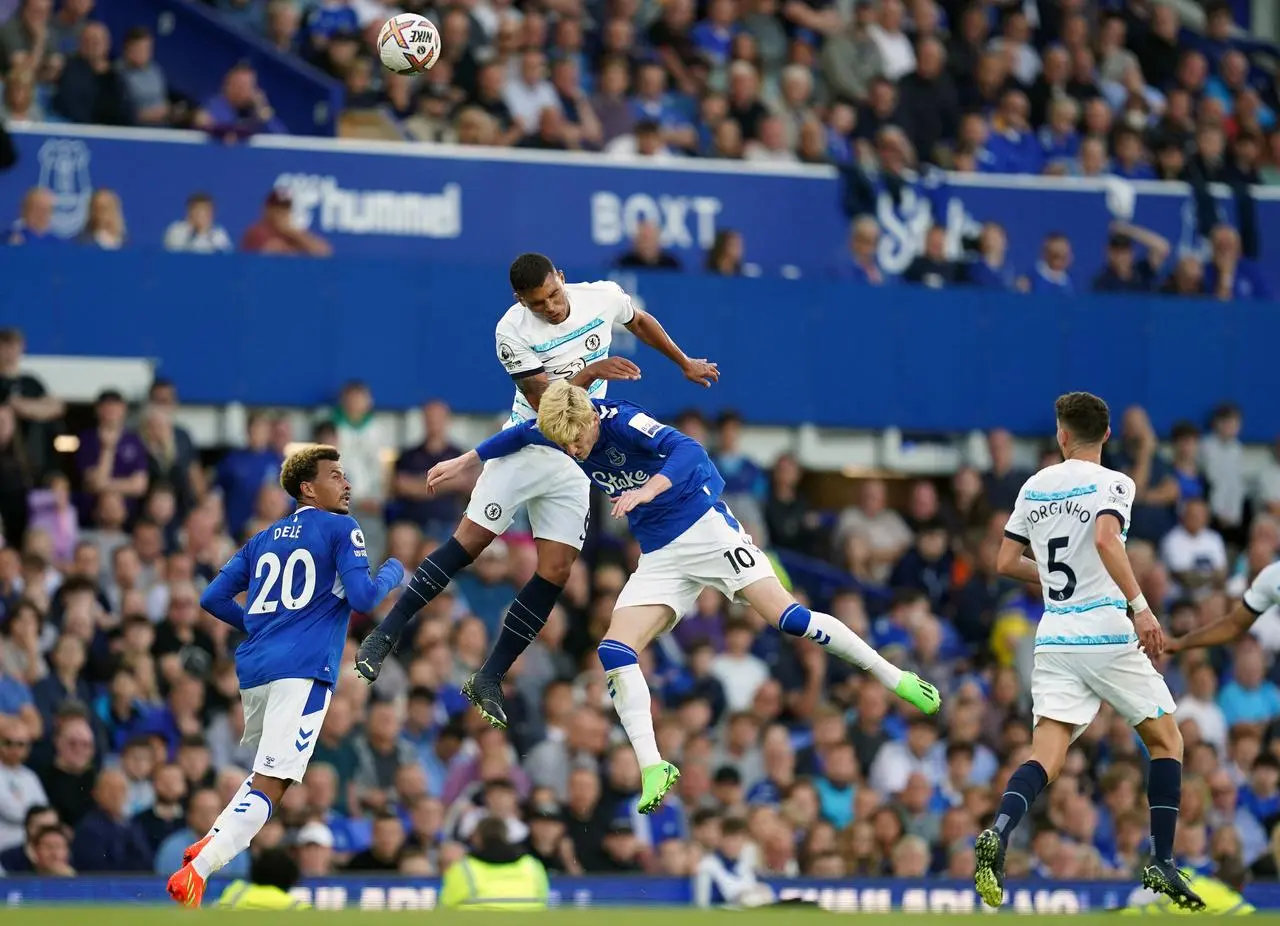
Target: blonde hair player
667, 488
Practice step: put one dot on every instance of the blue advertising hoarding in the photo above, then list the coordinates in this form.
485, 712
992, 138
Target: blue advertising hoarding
843, 896
482, 206
278, 331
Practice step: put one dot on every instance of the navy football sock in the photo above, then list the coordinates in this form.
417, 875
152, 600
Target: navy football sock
521, 624
1024, 787
1164, 794
430, 579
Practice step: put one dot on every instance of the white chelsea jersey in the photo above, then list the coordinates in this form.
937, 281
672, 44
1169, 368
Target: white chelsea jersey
529, 345
1056, 514
1264, 592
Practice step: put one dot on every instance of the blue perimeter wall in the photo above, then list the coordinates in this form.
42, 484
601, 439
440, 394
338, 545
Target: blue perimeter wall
849, 895
277, 331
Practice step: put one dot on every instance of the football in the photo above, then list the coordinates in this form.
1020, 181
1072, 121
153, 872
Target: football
409, 44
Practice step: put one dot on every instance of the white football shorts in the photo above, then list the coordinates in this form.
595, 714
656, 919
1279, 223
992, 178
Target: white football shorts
715, 552
1070, 686
282, 719
547, 481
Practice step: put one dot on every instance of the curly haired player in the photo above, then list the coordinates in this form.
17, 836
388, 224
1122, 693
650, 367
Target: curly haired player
303, 575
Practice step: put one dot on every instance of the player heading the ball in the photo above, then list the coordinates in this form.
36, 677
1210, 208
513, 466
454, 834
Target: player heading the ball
555, 332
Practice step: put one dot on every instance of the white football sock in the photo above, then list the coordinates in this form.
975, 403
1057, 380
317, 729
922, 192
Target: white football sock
224, 818
634, 704
246, 819
850, 647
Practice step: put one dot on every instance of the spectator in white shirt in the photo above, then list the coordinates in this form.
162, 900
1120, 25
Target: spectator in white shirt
1268, 497
1200, 704
877, 525
197, 233
896, 51
644, 142
1193, 551
362, 440
1222, 456
1016, 41
772, 145
897, 761
20, 788
737, 669
527, 96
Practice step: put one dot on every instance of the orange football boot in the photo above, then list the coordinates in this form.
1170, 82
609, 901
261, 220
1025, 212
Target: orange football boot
186, 887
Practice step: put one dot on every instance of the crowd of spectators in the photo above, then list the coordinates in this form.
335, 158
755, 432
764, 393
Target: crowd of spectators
120, 721
882, 89
276, 231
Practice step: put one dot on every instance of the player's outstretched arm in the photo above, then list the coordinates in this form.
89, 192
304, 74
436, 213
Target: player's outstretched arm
508, 441
1224, 630
647, 328
219, 599
1262, 593
502, 444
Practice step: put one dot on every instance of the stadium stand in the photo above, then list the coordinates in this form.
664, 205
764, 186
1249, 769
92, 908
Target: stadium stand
119, 717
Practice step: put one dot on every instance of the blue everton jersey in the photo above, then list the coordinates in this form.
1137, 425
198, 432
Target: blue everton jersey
297, 573
631, 450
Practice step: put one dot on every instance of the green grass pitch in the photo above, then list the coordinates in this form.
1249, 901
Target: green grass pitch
600, 916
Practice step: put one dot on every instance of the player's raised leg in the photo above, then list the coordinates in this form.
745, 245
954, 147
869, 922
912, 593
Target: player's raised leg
558, 497
432, 577
776, 605
254, 703
521, 624
630, 630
